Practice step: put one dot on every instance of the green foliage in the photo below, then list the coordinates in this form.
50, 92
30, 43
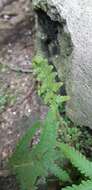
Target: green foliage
48, 88
85, 185
68, 133
85, 141
23, 160
30, 163
6, 99
77, 159
3, 101
81, 163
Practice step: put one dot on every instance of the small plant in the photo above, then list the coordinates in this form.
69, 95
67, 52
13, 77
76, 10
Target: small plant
6, 99
81, 163
32, 161
3, 102
40, 160
48, 88
70, 134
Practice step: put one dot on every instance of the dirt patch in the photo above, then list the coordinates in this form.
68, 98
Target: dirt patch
20, 105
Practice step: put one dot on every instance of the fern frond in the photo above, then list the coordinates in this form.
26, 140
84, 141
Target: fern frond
24, 163
59, 172
49, 132
22, 148
77, 159
49, 87
27, 175
85, 185
28, 164
37, 162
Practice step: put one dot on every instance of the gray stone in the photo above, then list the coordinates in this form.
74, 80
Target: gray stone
73, 20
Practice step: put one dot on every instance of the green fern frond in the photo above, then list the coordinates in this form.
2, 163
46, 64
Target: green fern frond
59, 172
23, 163
28, 164
77, 159
23, 147
27, 174
85, 185
49, 132
49, 87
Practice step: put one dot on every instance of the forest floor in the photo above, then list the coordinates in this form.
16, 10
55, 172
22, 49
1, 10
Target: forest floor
19, 103
19, 107
16, 104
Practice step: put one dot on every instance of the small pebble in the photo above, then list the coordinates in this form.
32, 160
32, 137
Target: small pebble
9, 132
26, 79
23, 84
9, 44
2, 126
14, 113
9, 50
27, 9
6, 17
4, 154
29, 32
56, 56
27, 56
29, 110
12, 86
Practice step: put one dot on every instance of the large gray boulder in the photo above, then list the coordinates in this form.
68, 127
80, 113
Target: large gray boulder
67, 41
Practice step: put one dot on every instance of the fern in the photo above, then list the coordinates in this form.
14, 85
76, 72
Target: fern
23, 162
31, 163
81, 163
77, 159
85, 185
59, 172
24, 145
49, 87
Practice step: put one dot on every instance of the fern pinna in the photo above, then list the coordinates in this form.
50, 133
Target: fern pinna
43, 158
48, 89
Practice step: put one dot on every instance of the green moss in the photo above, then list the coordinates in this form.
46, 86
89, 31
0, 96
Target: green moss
7, 98
3, 68
40, 5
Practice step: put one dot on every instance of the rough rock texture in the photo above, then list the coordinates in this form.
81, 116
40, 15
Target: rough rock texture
18, 101
16, 51
18, 111
76, 15
16, 33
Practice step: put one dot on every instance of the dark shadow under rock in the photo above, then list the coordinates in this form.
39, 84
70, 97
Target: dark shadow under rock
8, 183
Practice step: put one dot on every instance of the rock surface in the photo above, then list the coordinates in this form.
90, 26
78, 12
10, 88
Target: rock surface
73, 58
16, 51
19, 104
16, 33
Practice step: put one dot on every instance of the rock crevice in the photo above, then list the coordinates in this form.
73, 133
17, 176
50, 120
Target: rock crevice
70, 50
53, 38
